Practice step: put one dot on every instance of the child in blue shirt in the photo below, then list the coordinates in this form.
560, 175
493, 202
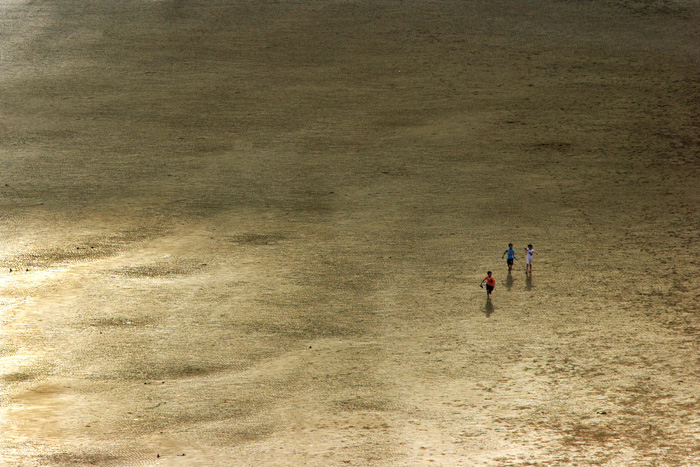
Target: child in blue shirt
511, 256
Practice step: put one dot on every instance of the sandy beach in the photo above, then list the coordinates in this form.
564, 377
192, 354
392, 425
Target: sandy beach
241, 233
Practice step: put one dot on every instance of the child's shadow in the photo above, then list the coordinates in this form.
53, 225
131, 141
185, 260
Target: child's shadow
509, 281
488, 308
528, 282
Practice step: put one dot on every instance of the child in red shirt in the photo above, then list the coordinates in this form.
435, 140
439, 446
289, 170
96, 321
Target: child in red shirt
490, 282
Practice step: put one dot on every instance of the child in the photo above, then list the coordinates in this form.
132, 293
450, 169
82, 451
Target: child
511, 256
490, 284
529, 252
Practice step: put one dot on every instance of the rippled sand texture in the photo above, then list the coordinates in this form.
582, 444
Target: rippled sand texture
251, 233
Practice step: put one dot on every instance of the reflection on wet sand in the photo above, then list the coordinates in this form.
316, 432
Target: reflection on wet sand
254, 232
488, 308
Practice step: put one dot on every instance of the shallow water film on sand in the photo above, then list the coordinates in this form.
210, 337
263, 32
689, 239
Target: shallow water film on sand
241, 233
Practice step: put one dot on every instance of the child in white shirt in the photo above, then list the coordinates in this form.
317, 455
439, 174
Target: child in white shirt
529, 252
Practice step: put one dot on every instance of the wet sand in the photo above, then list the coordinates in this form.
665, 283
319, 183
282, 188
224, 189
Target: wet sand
252, 233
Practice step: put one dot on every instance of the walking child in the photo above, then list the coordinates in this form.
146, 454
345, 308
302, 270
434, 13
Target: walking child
529, 253
511, 256
490, 282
